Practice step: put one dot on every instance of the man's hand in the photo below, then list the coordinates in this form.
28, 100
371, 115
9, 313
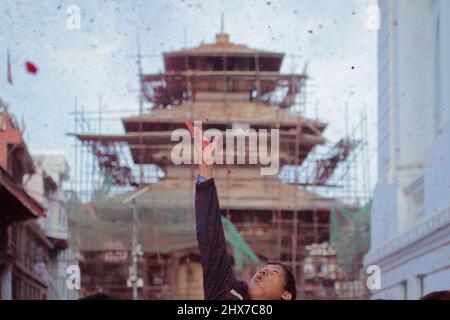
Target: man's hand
205, 150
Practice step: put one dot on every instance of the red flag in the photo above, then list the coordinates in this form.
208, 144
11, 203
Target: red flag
8, 62
31, 67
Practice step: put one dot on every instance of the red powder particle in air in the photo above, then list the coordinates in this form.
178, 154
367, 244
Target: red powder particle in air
31, 67
229, 171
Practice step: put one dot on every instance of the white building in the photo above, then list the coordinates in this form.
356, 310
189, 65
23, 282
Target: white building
410, 239
46, 185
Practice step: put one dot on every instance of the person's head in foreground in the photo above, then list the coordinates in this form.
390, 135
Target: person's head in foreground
98, 296
437, 295
273, 281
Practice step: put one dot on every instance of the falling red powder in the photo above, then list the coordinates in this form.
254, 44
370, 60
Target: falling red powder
31, 67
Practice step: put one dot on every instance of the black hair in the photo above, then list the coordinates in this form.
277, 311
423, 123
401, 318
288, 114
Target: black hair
290, 285
437, 295
98, 296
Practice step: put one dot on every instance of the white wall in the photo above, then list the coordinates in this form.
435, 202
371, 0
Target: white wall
442, 10
414, 149
384, 212
406, 101
437, 174
437, 169
393, 280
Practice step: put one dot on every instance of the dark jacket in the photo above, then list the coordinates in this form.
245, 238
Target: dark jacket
219, 281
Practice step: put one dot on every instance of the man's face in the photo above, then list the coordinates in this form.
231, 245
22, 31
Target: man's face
268, 284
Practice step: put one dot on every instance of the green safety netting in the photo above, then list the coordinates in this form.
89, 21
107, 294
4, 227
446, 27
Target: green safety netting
350, 235
166, 224
241, 250
105, 188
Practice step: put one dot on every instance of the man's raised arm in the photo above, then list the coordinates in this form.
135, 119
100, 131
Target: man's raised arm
218, 275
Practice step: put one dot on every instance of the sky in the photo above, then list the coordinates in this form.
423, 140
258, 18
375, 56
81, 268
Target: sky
99, 57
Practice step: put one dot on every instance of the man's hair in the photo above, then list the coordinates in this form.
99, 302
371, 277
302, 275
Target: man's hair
290, 285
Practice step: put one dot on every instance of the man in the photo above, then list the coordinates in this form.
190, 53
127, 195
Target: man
273, 281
